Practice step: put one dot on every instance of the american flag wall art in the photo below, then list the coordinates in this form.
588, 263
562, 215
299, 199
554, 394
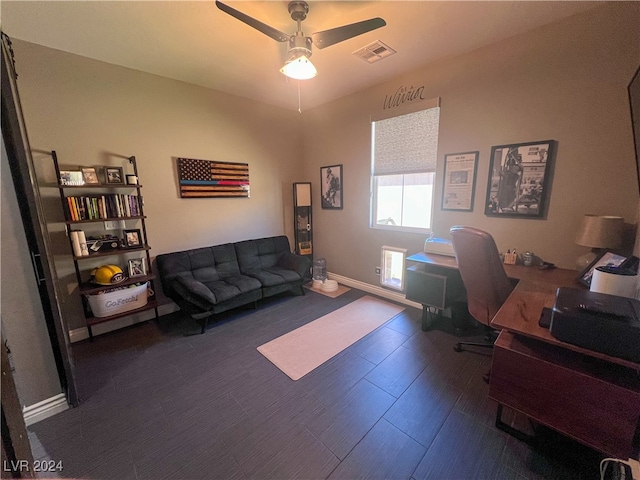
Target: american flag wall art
205, 178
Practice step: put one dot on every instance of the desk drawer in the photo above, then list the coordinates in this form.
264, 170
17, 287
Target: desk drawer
582, 397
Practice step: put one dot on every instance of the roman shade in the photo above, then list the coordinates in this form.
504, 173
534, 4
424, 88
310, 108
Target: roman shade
407, 143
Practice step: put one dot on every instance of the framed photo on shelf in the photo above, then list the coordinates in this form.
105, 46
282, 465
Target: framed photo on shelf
519, 179
132, 238
114, 175
606, 259
137, 267
90, 176
331, 187
459, 184
71, 177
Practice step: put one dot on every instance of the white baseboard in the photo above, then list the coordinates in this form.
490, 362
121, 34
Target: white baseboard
374, 289
80, 334
45, 409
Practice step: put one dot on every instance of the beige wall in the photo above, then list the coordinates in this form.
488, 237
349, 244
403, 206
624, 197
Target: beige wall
91, 112
566, 82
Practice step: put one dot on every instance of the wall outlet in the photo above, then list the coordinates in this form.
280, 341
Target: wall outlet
377, 270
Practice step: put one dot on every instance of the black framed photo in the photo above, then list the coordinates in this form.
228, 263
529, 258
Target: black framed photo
132, 238
331, 187
519, 183
459, 182
114, 175
606, 259
137, 267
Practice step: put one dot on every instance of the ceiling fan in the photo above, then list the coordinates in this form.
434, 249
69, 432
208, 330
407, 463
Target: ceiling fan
299, 66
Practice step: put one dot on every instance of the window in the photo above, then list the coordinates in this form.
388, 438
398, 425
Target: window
403, 170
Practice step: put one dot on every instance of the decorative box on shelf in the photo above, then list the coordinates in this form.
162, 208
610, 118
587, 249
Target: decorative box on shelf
102, 243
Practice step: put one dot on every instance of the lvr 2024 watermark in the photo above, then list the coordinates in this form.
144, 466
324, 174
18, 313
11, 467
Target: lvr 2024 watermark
38, 466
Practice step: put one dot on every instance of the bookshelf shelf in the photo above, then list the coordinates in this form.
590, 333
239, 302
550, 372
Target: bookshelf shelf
109, 219
111, 253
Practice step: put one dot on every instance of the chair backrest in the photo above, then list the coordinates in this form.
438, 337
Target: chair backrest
482, 272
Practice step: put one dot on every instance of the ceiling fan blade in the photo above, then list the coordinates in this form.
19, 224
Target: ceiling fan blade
330, 37
252, 22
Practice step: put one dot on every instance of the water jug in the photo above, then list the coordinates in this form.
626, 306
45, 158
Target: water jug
319, 269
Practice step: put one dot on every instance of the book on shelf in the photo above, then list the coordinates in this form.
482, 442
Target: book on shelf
102, 207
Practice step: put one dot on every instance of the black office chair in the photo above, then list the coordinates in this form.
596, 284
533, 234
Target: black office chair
484, 278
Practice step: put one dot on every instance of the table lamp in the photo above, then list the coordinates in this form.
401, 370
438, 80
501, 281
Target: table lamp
599, 232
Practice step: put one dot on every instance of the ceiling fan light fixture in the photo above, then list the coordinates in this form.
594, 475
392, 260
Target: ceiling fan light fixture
299, 67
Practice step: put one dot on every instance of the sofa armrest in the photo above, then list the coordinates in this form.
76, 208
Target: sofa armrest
194, 292
298, 263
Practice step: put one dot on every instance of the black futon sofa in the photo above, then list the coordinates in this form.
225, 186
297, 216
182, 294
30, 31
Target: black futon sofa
210, 280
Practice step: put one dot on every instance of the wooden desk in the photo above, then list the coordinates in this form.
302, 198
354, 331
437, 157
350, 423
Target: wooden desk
522, 310
435, 282
586, 395
555, 276
589, 396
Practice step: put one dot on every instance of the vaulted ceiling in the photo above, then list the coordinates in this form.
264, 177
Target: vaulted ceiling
195, 42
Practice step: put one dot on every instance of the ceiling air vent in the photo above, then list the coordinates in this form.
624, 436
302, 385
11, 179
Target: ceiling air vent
374, 51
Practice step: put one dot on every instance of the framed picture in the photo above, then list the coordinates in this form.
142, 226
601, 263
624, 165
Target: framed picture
331, 187
90, 176
132, 238
71, 177
607, 258
113, 175
137, 267
519, 180
459, 185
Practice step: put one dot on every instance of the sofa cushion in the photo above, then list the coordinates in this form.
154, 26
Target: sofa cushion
194, 292
222, 291
261, 254
243, 283
275, 276
206, 264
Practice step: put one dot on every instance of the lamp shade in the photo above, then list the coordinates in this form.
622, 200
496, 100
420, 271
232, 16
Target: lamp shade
299, 68
600, 231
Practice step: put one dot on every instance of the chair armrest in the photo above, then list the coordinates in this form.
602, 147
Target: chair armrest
298, 263
194, 292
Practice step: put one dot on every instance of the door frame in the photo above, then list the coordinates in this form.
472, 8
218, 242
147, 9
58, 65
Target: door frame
28, 195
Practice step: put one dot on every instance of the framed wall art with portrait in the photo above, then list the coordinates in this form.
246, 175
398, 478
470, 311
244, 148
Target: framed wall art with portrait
519, 179
331, 187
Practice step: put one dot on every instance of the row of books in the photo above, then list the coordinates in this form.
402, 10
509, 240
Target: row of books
99, 207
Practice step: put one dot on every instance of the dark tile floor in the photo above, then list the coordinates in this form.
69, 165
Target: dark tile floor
162, 401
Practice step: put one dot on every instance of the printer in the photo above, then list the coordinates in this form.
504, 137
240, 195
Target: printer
605, 323
439, 246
